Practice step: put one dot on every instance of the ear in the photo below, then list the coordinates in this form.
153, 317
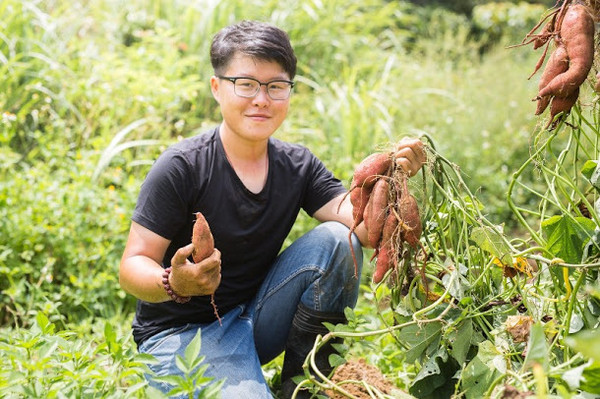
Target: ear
214, 87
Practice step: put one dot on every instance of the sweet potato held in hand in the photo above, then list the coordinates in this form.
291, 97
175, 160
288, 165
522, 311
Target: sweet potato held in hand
380, 197
204, 246
202, 238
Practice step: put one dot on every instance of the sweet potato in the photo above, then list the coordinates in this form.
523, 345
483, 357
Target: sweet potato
369, 169
202, 238
557, 63
375, 213
359, 198
563, 104
410, 218
577, 35
204, 246
383, 264
386, 256
545, 34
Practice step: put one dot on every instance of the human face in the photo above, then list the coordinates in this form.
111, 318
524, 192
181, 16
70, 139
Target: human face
250, 119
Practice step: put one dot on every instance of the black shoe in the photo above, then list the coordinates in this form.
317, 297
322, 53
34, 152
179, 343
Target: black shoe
307, 324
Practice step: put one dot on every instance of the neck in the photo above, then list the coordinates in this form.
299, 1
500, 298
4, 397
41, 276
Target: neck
241, 149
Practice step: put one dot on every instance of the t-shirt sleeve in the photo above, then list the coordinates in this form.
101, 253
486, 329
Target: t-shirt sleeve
162, 204
323, 186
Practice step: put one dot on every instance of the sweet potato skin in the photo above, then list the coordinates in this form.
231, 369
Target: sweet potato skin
557, 64
375, 213
563, 104
359, 198
386, 254
202, 238
411, 220
369, 169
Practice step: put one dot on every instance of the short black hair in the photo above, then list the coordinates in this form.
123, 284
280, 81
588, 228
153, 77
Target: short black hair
256, 39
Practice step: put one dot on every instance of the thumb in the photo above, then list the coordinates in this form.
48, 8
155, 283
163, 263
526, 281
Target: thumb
181, 256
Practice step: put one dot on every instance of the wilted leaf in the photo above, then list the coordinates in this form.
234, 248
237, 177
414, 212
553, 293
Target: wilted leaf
520, 264
519, 327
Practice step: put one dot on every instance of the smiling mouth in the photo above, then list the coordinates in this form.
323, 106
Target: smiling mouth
258, 116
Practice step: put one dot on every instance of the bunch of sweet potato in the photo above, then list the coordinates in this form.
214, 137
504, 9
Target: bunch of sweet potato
571, 29
380, 198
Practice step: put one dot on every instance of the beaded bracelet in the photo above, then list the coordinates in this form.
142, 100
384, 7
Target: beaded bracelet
172, 294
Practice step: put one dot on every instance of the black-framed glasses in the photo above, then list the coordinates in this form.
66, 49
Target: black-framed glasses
278, 89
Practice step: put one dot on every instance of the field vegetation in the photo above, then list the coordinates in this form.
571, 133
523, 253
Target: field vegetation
92, 91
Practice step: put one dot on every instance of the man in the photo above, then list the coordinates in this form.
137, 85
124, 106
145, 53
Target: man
250, 188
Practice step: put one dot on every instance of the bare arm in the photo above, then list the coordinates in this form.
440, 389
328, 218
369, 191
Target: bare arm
140, 272
329, 212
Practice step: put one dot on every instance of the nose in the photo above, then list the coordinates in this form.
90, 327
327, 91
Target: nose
262, 97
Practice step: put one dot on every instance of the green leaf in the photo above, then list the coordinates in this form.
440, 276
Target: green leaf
336, 360
193, 349
460, 340
174, 380
537, 347
198, 378
182, 365
591, 170
587, 342
566, 236
490, 240
44, 323
591, 379
481, 371
437, 377
588, 169
110, 336
419, 338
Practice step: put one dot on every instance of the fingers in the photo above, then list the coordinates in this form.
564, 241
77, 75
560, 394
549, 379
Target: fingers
181, 256
410, 155
195, 279
212, 264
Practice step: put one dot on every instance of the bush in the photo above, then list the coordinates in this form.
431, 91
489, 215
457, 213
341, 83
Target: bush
42, 362
63, 237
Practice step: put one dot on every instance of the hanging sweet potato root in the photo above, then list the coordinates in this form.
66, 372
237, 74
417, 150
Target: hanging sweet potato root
571, 28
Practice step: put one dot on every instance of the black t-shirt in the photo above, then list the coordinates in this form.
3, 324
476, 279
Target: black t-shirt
249, 229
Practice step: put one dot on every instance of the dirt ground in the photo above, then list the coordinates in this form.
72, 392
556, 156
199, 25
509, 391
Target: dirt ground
358, 371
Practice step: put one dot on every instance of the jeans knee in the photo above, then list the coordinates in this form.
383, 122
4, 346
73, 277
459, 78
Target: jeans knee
346, 245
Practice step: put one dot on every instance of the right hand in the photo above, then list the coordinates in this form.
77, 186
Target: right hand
195, 279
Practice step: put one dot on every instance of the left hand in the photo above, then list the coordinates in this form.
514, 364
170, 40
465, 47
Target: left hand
410, 155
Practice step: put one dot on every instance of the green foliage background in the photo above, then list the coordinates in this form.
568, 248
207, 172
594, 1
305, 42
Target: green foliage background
92, 92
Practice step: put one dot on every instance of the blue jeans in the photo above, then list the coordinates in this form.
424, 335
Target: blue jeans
317, 270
